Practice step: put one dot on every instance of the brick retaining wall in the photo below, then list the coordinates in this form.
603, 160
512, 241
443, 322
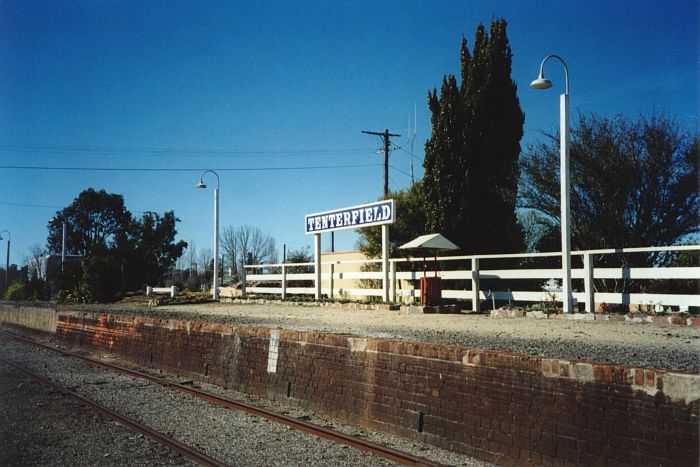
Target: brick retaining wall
507, 408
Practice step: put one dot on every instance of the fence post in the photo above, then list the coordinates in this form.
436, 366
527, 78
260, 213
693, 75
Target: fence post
331, 268
588, 282
476, 301
243, 280
392, 281
284, 282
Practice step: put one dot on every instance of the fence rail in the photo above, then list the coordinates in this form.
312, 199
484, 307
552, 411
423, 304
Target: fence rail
463, 282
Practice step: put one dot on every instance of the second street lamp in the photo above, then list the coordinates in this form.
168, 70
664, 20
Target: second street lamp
215, 291
7, 258
542, 83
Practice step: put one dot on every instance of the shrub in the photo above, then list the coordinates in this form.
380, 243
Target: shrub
16, 291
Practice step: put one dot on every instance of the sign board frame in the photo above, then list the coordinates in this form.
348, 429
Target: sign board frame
353, 217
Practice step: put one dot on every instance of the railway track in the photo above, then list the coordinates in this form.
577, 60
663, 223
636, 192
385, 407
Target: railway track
394, 455
162, 438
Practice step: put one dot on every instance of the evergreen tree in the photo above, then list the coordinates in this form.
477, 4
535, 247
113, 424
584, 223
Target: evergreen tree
471, 158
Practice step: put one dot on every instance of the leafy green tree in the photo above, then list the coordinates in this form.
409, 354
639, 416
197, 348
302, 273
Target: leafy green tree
471, 158
633, 184
120, 252
94, 219
150, 249
410, 222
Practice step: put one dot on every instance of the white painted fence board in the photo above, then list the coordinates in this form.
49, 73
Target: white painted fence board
270, 290
647, 273
264, 277
301, 290
358, 275
301, 277
363, 292
527, 274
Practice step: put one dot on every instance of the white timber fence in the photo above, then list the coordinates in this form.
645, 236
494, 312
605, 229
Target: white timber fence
466, 277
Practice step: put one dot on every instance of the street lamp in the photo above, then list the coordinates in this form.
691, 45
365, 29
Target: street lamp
542, 83
215, 293
7, 259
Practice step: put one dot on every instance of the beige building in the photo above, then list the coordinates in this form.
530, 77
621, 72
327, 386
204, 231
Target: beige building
346, 266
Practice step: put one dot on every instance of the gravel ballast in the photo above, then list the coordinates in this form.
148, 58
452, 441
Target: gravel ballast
41, 426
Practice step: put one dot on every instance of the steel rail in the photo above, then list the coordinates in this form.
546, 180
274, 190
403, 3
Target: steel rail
163, 439
386, 452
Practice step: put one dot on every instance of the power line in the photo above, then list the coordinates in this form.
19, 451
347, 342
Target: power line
385, 135
26, 205
401, 171
172, 169
414, 157
579, 100
126, 151
46, 206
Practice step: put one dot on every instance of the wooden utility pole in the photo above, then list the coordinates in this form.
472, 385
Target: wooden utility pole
385, 135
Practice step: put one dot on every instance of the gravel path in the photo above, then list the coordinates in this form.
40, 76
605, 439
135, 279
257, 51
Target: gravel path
642, 345
231, 436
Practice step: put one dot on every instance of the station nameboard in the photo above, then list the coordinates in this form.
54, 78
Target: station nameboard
365, 215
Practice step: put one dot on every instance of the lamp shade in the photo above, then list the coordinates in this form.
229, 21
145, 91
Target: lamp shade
541, 83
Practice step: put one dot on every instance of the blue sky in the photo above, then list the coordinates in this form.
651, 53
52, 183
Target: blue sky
276, 90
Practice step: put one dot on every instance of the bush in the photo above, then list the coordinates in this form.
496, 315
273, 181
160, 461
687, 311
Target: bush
17, 291
99, 280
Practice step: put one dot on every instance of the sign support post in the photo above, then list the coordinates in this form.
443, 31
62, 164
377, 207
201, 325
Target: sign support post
385, 261
317, 266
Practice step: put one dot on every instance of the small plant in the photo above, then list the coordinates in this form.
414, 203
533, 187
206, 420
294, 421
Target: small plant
550, 288
17, 291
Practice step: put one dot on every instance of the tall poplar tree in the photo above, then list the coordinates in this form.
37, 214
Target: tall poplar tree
471, 158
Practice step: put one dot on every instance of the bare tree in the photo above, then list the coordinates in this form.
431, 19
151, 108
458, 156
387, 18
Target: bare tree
191, 256
188, 263
247, 245
206, 256
36, 261
228, 247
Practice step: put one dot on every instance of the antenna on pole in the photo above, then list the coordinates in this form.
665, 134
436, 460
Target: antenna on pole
412, 138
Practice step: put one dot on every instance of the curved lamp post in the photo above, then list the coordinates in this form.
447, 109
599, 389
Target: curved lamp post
7, 258
215, 292
542, 83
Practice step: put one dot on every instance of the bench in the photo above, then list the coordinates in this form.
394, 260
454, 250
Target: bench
161, 290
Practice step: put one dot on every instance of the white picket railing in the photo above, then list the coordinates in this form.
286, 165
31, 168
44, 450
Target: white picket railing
400, 287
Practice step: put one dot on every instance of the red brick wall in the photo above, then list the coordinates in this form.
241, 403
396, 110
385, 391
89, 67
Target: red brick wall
506, 408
